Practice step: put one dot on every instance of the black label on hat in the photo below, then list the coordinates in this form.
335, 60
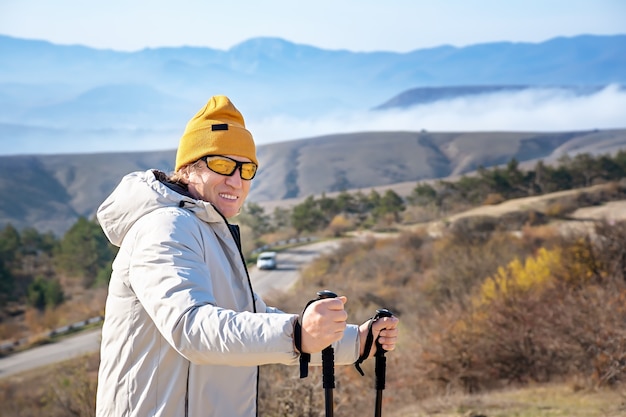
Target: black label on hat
222, 126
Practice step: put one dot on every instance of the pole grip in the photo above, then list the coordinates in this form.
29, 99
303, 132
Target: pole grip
380, 313
305, 358
328, 367
380, 367
328, 354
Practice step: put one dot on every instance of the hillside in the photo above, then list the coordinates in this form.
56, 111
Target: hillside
49, 192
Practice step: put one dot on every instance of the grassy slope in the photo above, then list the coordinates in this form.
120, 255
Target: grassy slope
549, 400
20, 392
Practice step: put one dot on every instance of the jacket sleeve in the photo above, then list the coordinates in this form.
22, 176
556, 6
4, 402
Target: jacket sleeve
172, 281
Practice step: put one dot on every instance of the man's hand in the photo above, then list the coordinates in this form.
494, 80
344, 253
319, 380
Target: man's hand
385, 329
323, 323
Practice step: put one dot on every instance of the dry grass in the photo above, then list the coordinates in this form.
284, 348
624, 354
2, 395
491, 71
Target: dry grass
60, 390
31, 393
549, 400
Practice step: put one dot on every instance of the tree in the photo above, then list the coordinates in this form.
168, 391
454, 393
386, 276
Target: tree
497, 180
307, 217
84, 250
7, 284
519, 182
422, 195
620, 160
10, 243
610, 169
539, 184
32, 241
281, 218
254, 216
362, 203
43, 293
472, 189
374, 199
556, 179
584, 169
346, 203
447, 195
390, 204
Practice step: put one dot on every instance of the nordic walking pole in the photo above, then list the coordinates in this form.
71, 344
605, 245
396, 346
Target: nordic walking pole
381, 365
328, 357
328, 365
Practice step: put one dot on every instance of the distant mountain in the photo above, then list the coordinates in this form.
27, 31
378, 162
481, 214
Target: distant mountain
49, 192
427, 95
45, 85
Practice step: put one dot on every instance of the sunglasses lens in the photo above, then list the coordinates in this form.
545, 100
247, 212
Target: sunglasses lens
222, 166
248, 170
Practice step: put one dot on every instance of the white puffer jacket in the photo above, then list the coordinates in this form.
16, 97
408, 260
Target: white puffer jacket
184, 333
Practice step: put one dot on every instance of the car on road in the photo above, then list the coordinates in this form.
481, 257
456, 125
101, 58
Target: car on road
266, 260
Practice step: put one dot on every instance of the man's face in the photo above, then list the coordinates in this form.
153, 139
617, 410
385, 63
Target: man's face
226, 193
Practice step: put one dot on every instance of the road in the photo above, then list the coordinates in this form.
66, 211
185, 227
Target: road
290, 262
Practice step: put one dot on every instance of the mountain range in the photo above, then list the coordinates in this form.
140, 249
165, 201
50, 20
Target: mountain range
75, 93
63, 97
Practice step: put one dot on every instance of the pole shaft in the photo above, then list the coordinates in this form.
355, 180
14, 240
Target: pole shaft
379, 403
329, 402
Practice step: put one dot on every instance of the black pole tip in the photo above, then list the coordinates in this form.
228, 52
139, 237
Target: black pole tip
326, 294
383, 312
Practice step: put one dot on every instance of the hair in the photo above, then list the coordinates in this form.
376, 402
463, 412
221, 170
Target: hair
179, 177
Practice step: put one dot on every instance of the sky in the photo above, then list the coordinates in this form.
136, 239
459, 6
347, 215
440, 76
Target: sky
356, 25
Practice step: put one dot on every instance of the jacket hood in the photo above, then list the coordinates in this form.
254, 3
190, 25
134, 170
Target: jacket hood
140, 193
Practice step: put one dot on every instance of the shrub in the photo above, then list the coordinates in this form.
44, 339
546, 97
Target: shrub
534, 274
557, 314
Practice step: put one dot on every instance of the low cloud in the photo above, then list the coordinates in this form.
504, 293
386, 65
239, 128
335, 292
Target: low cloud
533, 110
526, 110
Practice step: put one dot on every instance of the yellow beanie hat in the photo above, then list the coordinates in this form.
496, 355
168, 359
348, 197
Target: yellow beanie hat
217, 129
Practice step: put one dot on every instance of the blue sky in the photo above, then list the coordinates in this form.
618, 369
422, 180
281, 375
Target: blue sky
356, 25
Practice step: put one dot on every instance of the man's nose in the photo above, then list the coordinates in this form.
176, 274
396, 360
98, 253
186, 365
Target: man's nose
235, 180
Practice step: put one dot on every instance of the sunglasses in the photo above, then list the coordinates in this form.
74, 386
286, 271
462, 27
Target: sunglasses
224, 165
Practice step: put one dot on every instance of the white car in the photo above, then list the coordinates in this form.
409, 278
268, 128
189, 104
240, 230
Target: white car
266, 260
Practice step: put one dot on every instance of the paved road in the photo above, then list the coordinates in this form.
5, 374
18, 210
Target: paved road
290, 263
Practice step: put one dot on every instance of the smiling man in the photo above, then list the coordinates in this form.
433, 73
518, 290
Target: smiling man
184, 332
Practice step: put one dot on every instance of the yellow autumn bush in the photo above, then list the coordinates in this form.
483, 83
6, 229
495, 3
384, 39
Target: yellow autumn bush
534, 274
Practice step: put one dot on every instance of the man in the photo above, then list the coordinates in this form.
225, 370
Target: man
184, 332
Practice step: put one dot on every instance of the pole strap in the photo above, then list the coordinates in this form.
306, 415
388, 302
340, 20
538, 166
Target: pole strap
305, 358
369, 341
368, 347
